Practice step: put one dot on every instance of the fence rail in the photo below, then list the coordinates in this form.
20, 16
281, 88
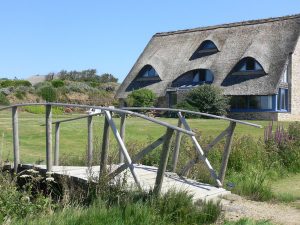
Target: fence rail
126, 161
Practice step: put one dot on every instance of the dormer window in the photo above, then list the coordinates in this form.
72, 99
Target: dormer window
147, 73
205, 49
248, 66
194, 78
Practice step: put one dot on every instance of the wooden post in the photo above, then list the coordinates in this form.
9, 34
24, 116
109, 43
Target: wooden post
177, 147
163, 161
227, 150
123, 147
122, 134
49, 137
15, 125
105, 148
56, 144
90, 140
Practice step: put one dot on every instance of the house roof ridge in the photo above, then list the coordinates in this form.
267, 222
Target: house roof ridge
229, 25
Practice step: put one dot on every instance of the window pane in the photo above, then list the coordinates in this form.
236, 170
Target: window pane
266, 102
209, 76
196, 78
239, 102
254, 102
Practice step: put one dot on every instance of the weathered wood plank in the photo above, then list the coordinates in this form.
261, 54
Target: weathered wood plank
177, 147
163, 162
105, 149
90, 141
138, 156
200, 151
49, 137
122, 134
227, 150
123, 147
16, 143
56, 144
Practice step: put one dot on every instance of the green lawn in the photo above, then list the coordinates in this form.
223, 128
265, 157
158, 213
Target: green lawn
74, 134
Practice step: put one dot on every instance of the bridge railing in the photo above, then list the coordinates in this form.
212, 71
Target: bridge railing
125, 159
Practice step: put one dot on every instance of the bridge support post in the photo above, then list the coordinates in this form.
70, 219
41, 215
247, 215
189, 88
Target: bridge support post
49, 137
56, 144
227, 150
105, 149
163, 161
177, 147
90, 140
15, 126
122, 134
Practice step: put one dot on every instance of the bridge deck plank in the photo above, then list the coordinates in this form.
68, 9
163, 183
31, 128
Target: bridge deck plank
147, 175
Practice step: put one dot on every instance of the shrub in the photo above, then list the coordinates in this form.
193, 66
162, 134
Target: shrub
207, 99
20, 94
3, 100
39, 109
14, 83
57, 83
48, 93
141, 98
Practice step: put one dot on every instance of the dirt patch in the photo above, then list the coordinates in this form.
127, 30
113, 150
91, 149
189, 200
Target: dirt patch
236, 207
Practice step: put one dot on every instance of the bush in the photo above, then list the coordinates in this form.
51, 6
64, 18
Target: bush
207, 99
3, 100
141, 98
39, 109
14, 83
57, 83
48, 93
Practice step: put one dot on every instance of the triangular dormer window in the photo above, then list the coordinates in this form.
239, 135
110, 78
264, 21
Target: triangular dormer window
205, 49
247, 66
147, 73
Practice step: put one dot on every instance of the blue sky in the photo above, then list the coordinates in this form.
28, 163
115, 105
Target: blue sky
38, 37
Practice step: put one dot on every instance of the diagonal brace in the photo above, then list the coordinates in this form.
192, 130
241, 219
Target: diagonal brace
200, 151
122, 147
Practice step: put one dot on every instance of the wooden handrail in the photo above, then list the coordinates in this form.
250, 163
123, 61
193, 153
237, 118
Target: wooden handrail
194, 113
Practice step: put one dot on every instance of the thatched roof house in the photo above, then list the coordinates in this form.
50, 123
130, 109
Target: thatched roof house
256, 61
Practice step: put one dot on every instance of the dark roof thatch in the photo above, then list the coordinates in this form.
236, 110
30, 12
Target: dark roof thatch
269, 41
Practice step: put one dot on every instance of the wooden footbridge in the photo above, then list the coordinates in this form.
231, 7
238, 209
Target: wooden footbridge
143, 177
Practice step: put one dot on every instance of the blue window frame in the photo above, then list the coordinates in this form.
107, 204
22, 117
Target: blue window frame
252, 103
282, 100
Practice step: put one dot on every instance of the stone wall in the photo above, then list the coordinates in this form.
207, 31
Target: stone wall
295, 82
253, 115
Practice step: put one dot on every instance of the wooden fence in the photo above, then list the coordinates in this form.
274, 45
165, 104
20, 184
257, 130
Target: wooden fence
126, 161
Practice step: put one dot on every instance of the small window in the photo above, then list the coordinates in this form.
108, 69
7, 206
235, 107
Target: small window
248, 66
206, 48
282, 100
252, 102
148, 73
194, 77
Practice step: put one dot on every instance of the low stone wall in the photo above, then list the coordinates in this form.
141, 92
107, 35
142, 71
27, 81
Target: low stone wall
253, 115
276, 116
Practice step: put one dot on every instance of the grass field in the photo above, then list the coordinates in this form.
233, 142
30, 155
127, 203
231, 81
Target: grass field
73, 134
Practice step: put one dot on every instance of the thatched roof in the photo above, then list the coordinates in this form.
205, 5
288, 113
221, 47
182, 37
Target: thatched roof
269, 41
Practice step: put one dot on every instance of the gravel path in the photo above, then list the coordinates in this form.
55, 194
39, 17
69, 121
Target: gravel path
236, 207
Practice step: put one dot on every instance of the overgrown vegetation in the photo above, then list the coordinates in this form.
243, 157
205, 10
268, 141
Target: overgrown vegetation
32, 199
3, 100
78, 87
141, 98
206, 99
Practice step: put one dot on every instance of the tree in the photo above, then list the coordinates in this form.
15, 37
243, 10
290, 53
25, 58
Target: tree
106, 77
207, 99
141, 98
